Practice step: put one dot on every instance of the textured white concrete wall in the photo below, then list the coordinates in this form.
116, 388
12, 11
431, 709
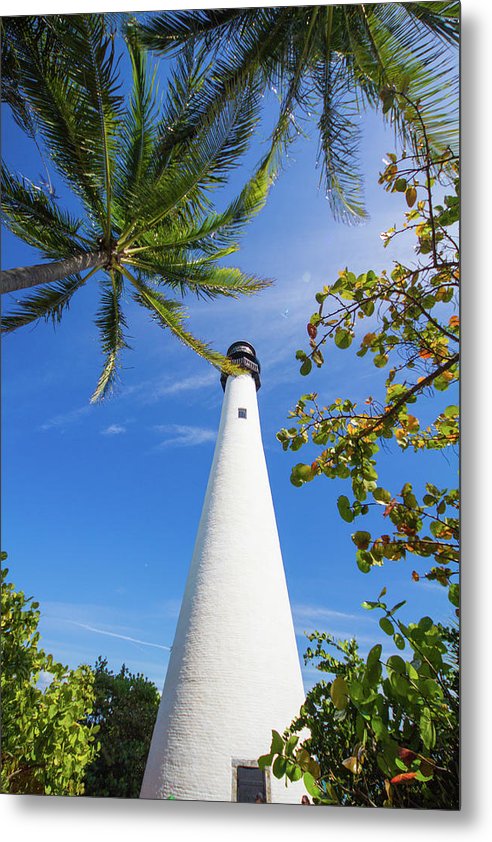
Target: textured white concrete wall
234, 670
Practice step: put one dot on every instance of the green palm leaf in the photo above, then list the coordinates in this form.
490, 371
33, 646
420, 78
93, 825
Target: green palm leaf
103, 102
145, 173
216, 230
111, 323
440, 18
171, 29
204, 280
74, 99
340, 56
202, 164
414, 63
10, 31
51, 101
38, 220
339, 140
171, 314
138, 135
46, 303
184, 109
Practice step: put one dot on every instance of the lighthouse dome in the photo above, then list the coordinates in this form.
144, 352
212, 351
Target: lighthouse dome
243, 354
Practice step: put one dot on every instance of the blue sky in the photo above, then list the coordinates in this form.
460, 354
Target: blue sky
101, 503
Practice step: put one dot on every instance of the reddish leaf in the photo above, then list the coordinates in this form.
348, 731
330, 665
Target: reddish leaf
312, 330
389, 508
404, 778
407, 530
407, 755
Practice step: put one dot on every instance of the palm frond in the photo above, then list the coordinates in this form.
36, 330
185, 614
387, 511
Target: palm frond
69, 77
10, 30
47, 90
217, 230
97, 84
182, 109
171, 29
440, 18
303, 57
421, 67
47, 303
405, 46
202, 164
100, 92
171, 314
249, 47
339, 133
38, 219
339, 139
139, 131
254, 49
162, 136
198, 276
111, 323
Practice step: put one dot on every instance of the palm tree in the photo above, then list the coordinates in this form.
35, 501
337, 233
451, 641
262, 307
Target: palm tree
142, 172
333, 60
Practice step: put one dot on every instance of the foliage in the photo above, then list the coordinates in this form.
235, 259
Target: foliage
414, 335
383, 731
46, 744
142, 169
329, 62
125, 709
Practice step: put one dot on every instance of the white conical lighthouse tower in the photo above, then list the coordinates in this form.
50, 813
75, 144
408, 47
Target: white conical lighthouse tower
234, 671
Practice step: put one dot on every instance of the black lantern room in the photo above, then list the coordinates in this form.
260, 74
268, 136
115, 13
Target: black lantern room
244, 355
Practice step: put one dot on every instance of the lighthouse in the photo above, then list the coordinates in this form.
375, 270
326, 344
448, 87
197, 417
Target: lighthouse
234, 672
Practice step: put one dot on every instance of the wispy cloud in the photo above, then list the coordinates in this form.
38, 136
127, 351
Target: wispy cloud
433, 586
363, 640
113, 430
71, 631
188, 384
319, 612
183, 436
120, 636
151, 391
66, 418
97, 615
342, 625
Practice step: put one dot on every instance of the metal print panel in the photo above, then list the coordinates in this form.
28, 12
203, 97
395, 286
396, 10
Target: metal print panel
230, 214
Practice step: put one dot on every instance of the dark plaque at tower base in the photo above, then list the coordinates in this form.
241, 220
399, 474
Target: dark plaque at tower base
251, 786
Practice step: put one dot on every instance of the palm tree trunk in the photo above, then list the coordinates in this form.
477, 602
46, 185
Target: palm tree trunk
23, 277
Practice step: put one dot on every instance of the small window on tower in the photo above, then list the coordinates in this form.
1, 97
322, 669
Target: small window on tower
242, 413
